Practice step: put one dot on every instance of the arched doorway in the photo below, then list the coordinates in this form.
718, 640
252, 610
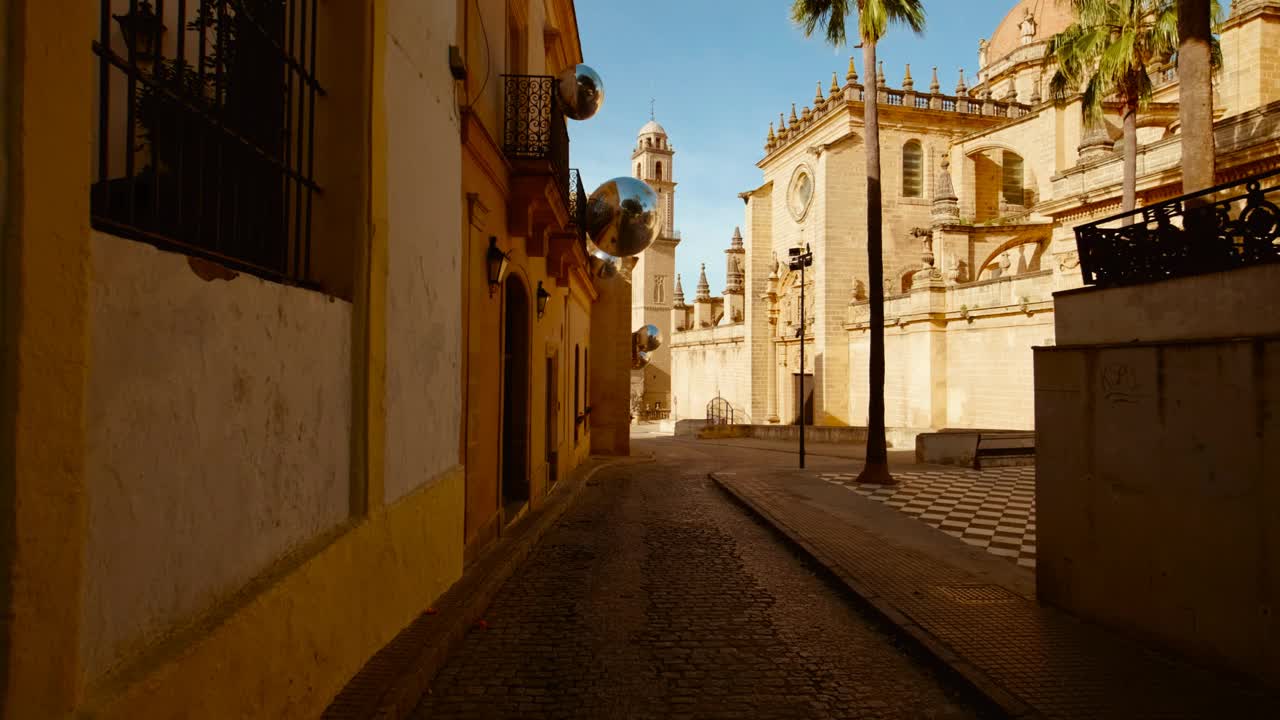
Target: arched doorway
515, 397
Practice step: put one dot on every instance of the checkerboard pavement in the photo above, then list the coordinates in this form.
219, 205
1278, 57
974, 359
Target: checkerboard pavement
994, 509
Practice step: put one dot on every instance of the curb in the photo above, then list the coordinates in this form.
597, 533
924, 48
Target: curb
392, 682
979, 681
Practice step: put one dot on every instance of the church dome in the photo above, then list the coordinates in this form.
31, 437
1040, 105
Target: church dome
1050, 17
652, 128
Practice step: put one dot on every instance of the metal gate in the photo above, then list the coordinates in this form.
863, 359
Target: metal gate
719, 412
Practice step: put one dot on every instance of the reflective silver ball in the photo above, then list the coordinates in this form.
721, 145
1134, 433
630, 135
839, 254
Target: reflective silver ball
640, 360
602, 263
622, 216
648, 338
581, 91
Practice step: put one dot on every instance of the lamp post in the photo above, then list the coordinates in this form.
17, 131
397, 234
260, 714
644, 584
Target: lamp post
799, 260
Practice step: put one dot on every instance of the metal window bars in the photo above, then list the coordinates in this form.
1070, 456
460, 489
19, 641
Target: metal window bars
206, 129
1209, 231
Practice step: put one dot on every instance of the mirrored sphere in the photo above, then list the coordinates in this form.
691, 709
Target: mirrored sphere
648, 338
581, 91
622, 216
602, 263
641, 359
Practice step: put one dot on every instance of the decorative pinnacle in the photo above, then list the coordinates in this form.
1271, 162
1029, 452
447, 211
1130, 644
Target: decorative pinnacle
907, 82
782, 124
772, 137
736, 242
961, 88
794, 117
679, 295
818, 99
835, 86
704, 288
935, 87
806, 113
852, 75
880, 82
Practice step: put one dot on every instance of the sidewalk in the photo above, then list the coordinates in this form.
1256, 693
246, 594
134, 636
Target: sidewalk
977, 613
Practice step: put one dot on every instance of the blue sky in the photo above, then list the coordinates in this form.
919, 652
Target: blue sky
719, 71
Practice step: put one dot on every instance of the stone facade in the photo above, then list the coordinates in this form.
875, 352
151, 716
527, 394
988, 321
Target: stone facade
982, 188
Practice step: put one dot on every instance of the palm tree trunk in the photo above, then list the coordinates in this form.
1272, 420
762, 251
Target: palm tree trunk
1130, 156
876, 469
1195, 80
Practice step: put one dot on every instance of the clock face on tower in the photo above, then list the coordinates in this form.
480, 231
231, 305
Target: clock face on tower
800, 193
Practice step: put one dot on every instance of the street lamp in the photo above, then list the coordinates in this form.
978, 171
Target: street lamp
543, 297
798, 259
496, 261
141, 29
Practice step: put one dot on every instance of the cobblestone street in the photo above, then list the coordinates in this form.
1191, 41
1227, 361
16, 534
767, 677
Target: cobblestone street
657, 596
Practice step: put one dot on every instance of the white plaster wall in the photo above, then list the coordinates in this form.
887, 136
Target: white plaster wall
218, 430
424, 309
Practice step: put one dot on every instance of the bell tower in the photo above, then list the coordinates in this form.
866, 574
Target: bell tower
653, 278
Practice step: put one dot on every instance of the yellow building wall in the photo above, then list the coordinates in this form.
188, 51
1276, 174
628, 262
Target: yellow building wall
336, 595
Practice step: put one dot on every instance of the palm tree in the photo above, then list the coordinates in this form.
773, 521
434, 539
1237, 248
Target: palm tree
1108, 51
1196, 61
874, 18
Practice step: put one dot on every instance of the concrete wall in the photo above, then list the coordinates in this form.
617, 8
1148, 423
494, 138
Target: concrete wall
709, 363
1158, 507
1159, 510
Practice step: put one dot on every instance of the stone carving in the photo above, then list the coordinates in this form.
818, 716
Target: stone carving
1028, 27
982, 53
859, 292
957, 273
1069, 261
1005, 263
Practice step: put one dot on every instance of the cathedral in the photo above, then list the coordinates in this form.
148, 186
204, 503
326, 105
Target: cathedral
982, 189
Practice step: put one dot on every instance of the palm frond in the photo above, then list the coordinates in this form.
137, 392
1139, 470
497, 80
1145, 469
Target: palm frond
874, 17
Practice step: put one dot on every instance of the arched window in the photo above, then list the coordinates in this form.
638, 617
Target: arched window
912, 169
658, 172
1012, 185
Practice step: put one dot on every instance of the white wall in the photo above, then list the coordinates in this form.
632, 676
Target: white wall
218, 426
424, 308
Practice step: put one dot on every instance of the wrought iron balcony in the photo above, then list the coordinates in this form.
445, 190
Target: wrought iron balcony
1227, 226
535, 136
577, 201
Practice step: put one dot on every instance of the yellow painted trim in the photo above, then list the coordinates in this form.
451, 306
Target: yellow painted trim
49, 312
369, 361
289, 650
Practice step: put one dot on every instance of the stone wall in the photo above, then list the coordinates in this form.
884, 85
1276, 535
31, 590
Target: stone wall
710, 363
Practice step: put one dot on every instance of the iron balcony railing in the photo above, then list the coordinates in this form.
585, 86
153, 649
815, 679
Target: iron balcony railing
577, 200
1227, 226
534, 127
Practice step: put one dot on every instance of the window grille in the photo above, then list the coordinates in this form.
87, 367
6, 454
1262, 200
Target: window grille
206, 129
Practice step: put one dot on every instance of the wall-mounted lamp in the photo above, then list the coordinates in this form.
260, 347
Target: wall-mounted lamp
543, 297
141, 28
497, 263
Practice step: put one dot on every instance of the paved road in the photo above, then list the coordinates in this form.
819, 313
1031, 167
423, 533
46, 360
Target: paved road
658, 597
